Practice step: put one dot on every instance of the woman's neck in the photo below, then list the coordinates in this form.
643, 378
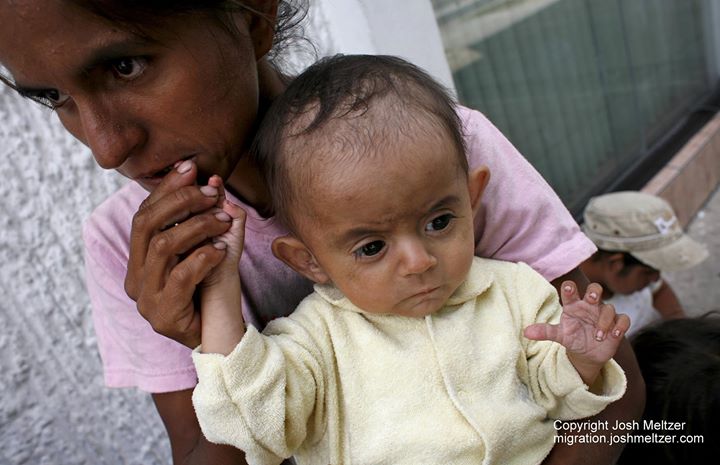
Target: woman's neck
247, 183
246, 180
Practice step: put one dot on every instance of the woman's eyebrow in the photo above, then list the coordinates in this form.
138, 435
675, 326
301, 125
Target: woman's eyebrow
122, 48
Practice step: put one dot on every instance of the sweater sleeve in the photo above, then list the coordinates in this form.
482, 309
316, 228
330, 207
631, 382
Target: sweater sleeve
266, 397
553, 381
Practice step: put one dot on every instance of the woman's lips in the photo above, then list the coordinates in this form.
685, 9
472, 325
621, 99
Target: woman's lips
160, 174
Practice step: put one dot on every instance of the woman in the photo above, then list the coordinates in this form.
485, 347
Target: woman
167, 93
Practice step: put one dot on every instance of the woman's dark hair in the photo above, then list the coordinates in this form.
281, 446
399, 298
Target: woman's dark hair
344, 87
141, 14
680, 362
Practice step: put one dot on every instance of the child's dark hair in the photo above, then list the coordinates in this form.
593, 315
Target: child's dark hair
343, 87
680, 362
628, 259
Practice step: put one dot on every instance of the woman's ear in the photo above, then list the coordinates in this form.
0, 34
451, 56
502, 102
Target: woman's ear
260, 16
477, 181
297, 256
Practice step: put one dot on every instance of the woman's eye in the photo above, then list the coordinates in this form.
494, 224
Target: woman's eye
370, 249
51, 98
439, 223
128, 68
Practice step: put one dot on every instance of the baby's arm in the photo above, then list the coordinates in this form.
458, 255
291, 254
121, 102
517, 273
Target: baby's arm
259, 394
220, 299
268, 396
589, 330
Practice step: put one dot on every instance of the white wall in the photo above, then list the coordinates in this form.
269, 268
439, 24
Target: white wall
406, 28
53, 407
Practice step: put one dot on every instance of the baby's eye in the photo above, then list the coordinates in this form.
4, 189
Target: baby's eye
370, 249
128, 68
439, 223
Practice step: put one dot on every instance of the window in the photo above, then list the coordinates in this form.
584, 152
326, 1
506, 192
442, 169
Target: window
583, 88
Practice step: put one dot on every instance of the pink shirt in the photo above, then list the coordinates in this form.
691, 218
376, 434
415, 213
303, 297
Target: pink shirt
521, 219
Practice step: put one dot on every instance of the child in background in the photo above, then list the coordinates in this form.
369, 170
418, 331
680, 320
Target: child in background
680, 362
410, 350
638, 236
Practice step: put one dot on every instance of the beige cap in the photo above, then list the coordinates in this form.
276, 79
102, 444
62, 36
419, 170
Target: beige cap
643, 225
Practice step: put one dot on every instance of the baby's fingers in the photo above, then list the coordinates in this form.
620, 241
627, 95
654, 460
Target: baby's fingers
605, 322
569, 293
234, 238
542, 332
593, 293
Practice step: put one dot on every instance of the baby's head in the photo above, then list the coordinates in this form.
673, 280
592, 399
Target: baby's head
638, 236
364, 157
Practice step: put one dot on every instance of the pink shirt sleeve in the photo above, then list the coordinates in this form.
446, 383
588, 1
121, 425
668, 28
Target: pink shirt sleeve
133, 354
521, 219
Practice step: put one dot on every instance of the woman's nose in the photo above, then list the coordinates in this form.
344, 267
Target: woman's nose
416, 258
110, 136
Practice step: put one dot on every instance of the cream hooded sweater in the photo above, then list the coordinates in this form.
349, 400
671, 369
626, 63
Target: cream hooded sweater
332, 384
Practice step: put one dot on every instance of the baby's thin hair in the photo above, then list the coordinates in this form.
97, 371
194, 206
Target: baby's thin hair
345, 88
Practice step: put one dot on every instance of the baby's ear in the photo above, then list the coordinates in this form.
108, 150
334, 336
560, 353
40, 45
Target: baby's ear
297, 256
477, 181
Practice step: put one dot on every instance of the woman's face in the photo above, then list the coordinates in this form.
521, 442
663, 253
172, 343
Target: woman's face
140, 103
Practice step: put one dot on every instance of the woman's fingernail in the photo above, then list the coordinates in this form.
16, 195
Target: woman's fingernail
184, 167
599, 335
593, 295
222, 216
220, 245
209, 191
616, 333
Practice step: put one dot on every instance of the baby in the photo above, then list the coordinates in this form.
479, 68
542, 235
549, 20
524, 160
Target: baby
410, 350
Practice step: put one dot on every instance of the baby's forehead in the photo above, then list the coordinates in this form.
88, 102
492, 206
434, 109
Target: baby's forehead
391, 173
338, 157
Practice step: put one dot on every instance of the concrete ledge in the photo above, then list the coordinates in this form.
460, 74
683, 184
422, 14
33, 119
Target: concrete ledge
692, 175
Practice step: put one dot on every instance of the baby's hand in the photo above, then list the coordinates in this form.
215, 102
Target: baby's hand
220, 299
232, 240
590, 330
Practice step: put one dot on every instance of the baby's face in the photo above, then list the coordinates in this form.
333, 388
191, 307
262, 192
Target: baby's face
394, 231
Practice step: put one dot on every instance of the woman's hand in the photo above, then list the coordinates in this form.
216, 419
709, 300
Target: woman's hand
170, 252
